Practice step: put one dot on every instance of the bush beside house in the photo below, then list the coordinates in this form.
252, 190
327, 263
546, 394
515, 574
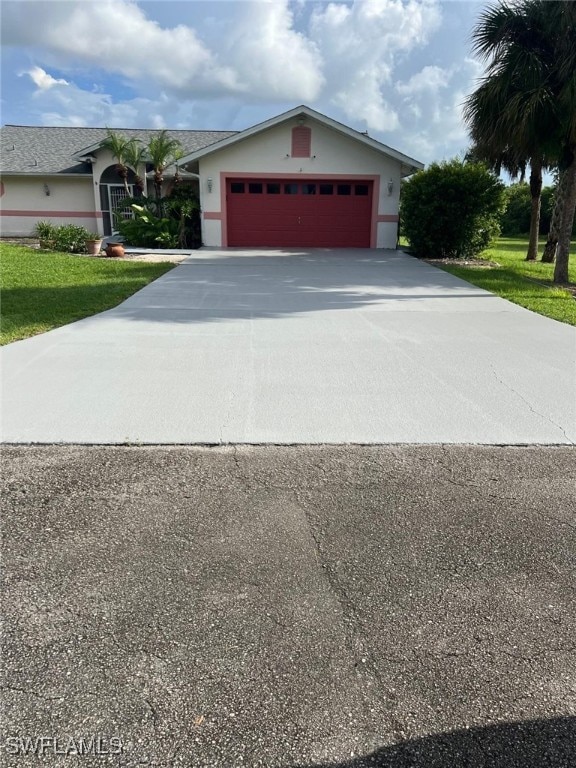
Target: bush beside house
452, 209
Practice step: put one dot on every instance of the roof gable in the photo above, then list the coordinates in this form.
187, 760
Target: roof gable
409, 165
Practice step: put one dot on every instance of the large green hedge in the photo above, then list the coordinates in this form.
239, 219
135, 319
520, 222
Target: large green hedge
451, 210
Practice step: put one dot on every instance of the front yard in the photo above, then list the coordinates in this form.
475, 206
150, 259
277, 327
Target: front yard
44, 290
527, 283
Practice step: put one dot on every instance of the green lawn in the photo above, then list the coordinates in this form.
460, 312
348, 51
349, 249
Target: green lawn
527, 283
43, 290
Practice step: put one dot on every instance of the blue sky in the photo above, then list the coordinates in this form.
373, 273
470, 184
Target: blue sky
397, 68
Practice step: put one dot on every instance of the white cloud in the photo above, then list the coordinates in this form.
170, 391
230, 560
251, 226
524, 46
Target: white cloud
227, 65
347, 54
270, 58
431, 78
42, 79
432, 101
261, 56
360, 45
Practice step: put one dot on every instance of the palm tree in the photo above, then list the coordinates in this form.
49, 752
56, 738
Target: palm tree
117, 145
510, 114
177, 156
135, 156
562, 19
161, 151
527, 101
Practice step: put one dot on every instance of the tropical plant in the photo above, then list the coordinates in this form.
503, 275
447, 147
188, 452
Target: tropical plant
509, 114
45, 231
148, 230
524, 111
177, 156
161, 152
118, 146
451, 210
183, 204
135, 155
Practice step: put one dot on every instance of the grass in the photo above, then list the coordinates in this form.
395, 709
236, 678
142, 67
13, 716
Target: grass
526, 283
44, 290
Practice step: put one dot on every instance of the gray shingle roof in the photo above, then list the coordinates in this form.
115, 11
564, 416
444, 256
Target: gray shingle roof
47, 150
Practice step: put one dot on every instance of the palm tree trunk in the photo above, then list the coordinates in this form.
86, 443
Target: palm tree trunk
123, 173
549, 253
535, 194
565, 225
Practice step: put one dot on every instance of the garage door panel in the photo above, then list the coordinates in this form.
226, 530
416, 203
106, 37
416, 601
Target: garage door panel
307, 217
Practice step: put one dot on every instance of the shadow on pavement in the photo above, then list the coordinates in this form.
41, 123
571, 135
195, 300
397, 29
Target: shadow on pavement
527, 744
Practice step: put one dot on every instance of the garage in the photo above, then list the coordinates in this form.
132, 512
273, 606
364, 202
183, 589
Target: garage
299, 180
301, 212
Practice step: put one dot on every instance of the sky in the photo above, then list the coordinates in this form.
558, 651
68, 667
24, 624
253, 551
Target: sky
397, 68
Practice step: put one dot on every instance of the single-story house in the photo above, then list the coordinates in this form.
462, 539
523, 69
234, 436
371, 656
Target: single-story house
299, 179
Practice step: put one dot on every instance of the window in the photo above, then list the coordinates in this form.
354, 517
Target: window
344, 189
273, 189
326, 189
290, 189
255, 188
308, 189
237, 187
361, 189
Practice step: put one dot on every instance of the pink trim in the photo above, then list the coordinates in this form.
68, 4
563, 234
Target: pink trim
375, 204
387, 217
263, 175
212, 215
223, 207
53, 214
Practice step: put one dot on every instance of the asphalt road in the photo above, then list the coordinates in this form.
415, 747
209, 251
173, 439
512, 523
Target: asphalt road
315, 346
408, 607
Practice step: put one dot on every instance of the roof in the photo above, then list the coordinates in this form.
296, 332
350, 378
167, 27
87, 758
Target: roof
408, 164
42, 150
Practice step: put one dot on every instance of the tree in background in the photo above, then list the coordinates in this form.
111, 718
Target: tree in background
525, 107
509, 115
451, 209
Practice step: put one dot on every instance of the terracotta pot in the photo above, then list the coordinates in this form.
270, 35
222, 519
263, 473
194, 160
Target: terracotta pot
94, 246
115, 250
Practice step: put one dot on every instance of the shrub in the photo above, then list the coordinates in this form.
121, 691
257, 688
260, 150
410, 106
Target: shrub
45, 231
451, 210
71, 238
68, 238
167, 222
147, 230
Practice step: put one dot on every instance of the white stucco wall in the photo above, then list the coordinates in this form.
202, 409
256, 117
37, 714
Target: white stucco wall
24, 202
266, 153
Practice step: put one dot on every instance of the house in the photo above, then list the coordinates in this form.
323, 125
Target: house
299, 179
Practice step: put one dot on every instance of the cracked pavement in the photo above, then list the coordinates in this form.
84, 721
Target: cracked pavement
292, 607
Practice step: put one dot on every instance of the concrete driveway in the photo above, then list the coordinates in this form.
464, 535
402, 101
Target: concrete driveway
348, 346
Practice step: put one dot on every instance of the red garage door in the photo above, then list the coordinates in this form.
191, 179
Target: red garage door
299, 213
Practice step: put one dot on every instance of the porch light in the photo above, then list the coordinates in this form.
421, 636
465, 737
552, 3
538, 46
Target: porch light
209, 184
46, 190
390, 187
